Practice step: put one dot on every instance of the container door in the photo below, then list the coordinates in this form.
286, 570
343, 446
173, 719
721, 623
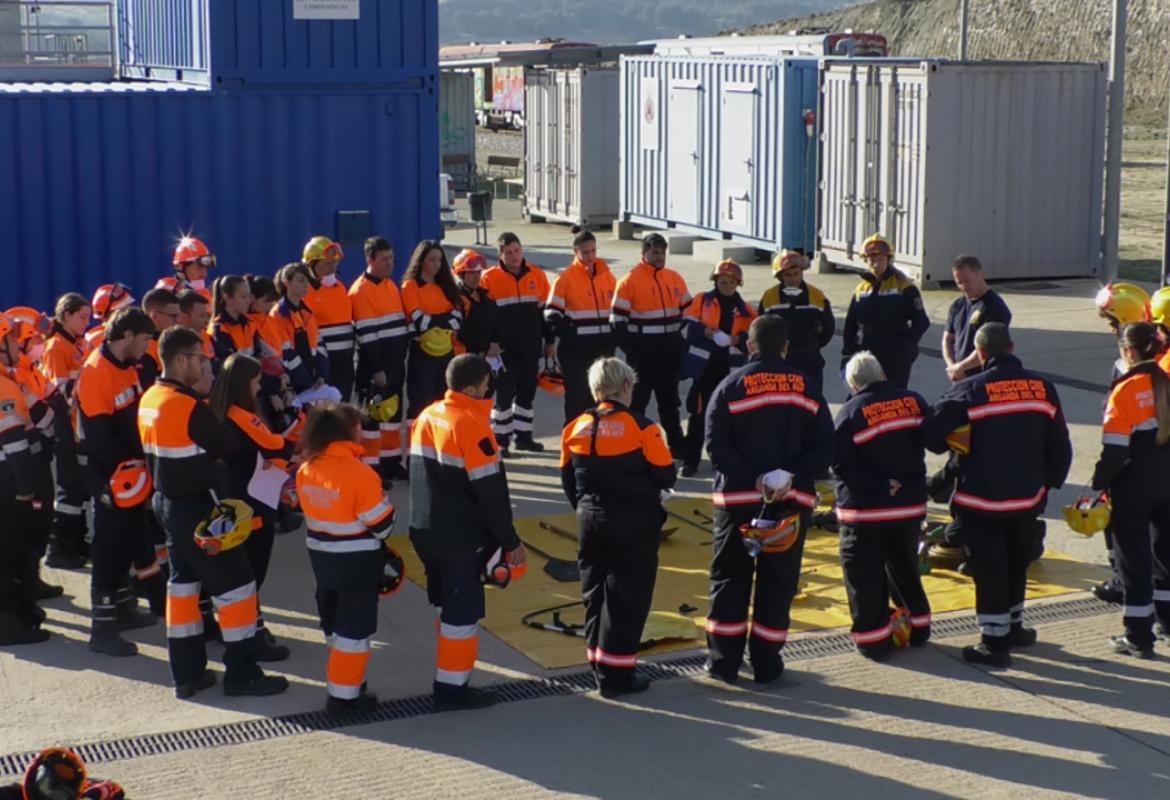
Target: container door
737, 140
534, 142
684, 154
839, 153
872, 125
903, 149
552, 144
571, 90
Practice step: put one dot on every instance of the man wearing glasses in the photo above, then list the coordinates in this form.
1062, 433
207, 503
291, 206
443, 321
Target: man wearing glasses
162, 306
885, 316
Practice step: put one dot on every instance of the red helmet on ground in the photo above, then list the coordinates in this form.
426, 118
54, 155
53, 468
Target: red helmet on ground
728, 268
109, 298
55, 773
191, 249
468, 261
131, 484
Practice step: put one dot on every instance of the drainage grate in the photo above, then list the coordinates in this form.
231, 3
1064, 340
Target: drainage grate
257, 730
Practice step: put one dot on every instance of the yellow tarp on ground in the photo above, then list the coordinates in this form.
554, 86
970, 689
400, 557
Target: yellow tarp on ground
682, 579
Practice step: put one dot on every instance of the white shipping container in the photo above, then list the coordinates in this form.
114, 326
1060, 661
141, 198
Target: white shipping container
1003, 160
457, 122
571, 140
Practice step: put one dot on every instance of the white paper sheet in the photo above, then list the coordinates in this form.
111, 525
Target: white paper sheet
266, 483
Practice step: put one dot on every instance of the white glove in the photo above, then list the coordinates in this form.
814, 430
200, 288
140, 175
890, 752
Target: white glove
495, 362
776, 481
665, 495
721, 339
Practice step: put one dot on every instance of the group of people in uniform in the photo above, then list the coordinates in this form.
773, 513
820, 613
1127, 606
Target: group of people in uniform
200, 422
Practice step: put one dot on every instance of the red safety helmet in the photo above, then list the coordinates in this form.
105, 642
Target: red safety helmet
55, 774
109, 298
498, 572
131, 484
770, 536
550, 378
393, 573
729, 268
468, 261
191, 249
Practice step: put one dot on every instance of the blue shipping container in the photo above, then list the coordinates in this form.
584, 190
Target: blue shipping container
102, 179
719, 146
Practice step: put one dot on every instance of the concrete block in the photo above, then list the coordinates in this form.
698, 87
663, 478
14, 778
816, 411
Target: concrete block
623, 230
681, 244
715, 251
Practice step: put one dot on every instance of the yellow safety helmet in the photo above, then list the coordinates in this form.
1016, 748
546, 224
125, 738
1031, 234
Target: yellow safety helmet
321, 248
787, 258
877, 244
1088, 515
959, 440
437, 342
228, 527
384, 410
1160, 306
1123, 303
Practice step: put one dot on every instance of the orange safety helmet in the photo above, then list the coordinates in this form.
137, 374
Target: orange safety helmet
393, 573
109, 298
727, 267
468, 260
55, 773
788, 258
770, 536
550, 378
131, 484
29, 322
191, 249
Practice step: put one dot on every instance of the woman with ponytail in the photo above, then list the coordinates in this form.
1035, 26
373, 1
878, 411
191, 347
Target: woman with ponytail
1134, 462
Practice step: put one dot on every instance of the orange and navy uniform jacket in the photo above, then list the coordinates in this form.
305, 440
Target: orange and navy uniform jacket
613, 457
334, 316
728, 314
579, 305
648, 308
1019, 440
150, 365
236, 335
182, 440
767, 395
345, 508
1132, 466
62, 360
808, 314
427, 307
45, 404
380, 321
458, 488
17, 473
885, 317
481, 322
879, 438
292, 332
94, 338
520, 298
107, 419
253, 438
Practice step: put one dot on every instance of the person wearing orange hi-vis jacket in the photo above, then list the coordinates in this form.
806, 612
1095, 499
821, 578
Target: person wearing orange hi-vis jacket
348, 519
461, 522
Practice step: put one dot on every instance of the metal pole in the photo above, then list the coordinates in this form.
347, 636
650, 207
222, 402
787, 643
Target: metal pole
1166, 220
964, 15
1115, 135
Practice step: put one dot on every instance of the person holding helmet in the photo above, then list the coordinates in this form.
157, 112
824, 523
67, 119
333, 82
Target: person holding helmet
61, 364
1132, 468
107, 409
480, 331
769, 436
577, 313
349, 521
615, 464
520, 290
879, 460
647, 317
460, 521
382, 341
805, 310
1018, 451
329, 299
192, 261
886, 315
183, 440
433, 306
978, 305
716, 325
292, 332
108, 298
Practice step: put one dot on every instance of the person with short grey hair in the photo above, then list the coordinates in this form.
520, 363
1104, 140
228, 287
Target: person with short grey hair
614, 466
880, 463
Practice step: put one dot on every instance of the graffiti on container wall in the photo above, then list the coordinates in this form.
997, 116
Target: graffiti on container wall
508, 89
452, 138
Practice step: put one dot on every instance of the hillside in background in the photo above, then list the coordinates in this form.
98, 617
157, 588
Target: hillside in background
608, 21
1059, 30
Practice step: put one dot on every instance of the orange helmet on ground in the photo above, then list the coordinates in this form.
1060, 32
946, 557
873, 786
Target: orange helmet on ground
728, 268
550, 378
191, 249
131, 484
55, 773
468, 261
109, 298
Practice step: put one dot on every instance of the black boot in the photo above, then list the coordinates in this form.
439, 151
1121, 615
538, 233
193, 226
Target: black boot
397, 472
337, 707
104, 636
14, 630
982, 654
1021, 636
129, 615
611, 688
260, 686
185, 691
29, 613
62, 556
40, 590
268, 649
525, 442
1109, 592
1124, 647
453, 698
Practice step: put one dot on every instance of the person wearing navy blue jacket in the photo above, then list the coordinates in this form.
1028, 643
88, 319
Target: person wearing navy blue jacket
879, 461
768, 434
1019, 450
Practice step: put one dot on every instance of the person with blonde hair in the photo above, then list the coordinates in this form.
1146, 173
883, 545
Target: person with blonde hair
615, 464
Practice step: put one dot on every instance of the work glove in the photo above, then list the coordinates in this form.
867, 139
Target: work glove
721, 339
